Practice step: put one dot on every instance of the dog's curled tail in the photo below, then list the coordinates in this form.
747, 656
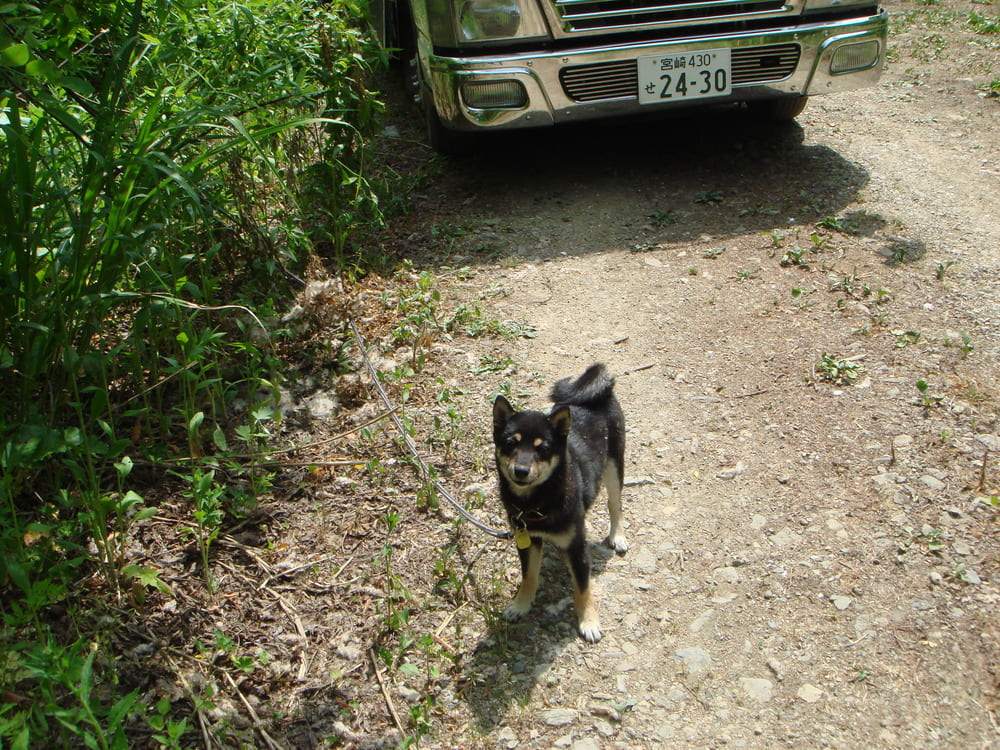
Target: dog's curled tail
595, 385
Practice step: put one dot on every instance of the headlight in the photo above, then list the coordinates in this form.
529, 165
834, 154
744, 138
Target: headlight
491, 20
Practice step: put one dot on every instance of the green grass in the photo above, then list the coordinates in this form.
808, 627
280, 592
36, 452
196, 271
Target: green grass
991, 89
838, 370
164, 170
982, 24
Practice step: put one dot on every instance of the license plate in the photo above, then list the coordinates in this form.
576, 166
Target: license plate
683, 76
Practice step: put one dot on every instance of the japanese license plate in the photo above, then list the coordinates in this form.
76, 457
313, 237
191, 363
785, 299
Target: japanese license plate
683, 76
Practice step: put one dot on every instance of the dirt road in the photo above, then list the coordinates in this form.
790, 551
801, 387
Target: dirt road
805, 325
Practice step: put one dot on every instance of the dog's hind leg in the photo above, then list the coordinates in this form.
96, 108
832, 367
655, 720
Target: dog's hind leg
531, 564
613, 485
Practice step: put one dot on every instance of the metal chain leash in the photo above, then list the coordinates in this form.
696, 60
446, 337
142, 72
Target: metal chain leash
411, 446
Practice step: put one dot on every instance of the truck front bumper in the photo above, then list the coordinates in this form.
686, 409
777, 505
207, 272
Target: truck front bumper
799, 60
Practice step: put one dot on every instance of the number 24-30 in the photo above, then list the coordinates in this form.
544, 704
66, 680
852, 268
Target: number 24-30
709, 82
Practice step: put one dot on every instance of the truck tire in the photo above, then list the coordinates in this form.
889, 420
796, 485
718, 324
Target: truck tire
442, 139
779, 110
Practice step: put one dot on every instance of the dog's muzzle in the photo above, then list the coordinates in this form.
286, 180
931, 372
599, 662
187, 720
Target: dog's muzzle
521, 472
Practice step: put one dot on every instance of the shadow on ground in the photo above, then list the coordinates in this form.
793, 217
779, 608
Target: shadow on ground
622, 184
511, 659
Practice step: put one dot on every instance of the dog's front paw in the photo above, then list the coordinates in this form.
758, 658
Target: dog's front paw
618, 543
516, 610
590, 629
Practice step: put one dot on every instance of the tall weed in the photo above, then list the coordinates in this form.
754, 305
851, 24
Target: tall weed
165, 167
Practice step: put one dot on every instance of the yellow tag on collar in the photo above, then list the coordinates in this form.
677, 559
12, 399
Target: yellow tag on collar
522, 538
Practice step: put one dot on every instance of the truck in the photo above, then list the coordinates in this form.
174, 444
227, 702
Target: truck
477, 66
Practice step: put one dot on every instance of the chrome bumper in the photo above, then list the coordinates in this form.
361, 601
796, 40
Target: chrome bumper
547, 102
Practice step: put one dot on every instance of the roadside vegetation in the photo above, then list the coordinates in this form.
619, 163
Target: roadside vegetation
168, 171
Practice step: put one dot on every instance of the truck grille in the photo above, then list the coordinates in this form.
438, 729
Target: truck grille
620, 79
594, 15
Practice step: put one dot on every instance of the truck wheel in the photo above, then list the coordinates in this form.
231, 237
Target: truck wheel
440, 138
779, 110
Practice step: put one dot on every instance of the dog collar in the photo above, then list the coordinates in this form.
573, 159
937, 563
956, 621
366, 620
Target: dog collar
522, 537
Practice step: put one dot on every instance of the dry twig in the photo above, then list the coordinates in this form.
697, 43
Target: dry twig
385, 694
253, 714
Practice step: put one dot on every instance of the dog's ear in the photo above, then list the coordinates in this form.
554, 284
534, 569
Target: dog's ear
502, 411
560, 420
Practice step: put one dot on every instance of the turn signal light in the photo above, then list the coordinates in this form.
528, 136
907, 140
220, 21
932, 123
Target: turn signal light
854, 57
494, 94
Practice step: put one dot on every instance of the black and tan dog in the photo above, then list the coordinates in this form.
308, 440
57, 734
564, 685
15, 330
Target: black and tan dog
551, 468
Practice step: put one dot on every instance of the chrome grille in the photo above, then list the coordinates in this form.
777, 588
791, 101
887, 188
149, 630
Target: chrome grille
589, 83
620, 79
764, 64
595, 15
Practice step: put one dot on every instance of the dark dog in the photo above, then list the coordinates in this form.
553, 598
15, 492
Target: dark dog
551, 468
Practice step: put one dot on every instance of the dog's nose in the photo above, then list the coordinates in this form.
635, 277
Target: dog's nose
521, 471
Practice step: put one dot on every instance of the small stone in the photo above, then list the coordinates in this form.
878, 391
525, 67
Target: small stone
936, 577
666, 732
409, 694
724, 595
809, 693
323, 405
775, 666
639, 481
348, 651
888, 479
727, 574
841, 602
757, 688
902, 441
837, 527
696, 661
557, 717
990, 442
677, 694
785, 538
588, 743
961, 548
863, 626
702, 620
932, 483
731, 472
507, 738
971, 576
645, 561
604, 728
